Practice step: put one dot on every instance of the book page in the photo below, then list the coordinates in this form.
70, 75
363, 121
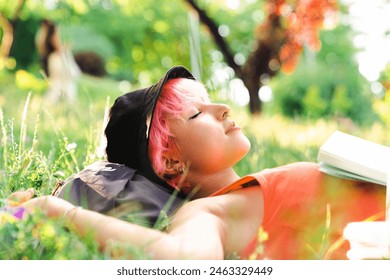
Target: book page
340, 173
356, 155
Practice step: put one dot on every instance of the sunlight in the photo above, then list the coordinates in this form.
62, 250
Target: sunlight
238, 93
124, 86
370, 20
265, 94
233, 4
223, 30
51, 4
25, 80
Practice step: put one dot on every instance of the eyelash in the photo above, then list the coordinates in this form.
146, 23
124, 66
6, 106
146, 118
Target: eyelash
194, 116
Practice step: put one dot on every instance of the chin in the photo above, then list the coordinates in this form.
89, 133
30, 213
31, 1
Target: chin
243, 148
246, 144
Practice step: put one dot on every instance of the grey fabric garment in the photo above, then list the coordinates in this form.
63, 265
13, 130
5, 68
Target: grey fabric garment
117, 190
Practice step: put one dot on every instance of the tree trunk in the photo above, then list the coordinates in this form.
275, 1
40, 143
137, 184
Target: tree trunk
255, 66
264, 60
8, 37
8, 30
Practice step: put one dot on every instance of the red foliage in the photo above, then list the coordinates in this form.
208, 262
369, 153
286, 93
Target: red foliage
303, 20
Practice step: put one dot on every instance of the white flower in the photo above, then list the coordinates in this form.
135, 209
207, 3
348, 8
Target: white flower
71, 147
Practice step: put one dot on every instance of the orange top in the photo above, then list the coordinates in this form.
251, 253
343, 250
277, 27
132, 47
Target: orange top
305, 211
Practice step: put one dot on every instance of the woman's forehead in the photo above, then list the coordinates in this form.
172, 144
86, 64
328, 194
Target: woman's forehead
201, 98
196, 92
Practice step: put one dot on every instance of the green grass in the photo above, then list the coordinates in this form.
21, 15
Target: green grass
41, 144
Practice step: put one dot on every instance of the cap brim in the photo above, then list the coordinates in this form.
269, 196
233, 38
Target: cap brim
154, 91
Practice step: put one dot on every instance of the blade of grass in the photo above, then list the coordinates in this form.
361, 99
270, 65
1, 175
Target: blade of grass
4, 140
23, 127
103, 141
34, 143
195, 49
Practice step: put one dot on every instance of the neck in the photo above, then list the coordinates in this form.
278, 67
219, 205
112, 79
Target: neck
205, 185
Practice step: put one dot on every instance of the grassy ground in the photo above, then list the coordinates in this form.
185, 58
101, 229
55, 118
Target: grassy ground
42, 143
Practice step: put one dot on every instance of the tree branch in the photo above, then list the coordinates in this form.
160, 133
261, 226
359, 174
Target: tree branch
219, 40
6, 42
8, 29
18, 10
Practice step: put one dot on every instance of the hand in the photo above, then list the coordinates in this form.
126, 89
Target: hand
52, 206
368, 240
19, 197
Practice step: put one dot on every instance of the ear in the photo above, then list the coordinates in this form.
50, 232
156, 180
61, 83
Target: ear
172, 166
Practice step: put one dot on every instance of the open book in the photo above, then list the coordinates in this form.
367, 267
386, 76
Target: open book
348, 156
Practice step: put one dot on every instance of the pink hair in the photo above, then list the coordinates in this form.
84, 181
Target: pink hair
175, 95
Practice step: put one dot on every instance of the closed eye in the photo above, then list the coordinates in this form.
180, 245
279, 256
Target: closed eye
194, 116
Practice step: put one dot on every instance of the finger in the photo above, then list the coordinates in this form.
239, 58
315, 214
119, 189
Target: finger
31, 191
19, 197
369, 253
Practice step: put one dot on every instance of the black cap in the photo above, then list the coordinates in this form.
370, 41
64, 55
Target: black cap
129, 125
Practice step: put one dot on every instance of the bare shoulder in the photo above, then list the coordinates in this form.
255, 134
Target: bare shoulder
235, 216
237, 201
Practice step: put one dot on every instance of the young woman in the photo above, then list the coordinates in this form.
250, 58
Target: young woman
176, 137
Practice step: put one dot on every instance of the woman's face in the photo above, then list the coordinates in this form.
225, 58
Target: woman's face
207, 139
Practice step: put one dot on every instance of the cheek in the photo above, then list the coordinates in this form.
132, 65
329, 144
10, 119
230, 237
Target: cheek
197, 146
198, 142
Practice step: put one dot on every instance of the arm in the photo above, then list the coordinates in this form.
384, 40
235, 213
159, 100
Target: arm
207, 228
199, 237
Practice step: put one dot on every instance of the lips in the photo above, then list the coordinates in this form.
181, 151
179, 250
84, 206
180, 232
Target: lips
232, 127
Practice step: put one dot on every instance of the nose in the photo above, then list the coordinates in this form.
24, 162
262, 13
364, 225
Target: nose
223, 111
